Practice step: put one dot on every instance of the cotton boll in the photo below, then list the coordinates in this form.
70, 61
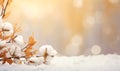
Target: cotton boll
19, 40
2, 43
8, 33
7, 26
15, 49
36, 60
48, 59
18, 52
53, 52
17, 61
11, 47
49, 48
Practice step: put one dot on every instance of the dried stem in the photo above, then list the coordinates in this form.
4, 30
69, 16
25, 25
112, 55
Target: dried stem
17, 57
4, 9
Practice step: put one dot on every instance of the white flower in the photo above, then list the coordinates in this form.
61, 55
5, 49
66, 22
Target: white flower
50, 50
2, 43
7, 26
17, 61
19, 40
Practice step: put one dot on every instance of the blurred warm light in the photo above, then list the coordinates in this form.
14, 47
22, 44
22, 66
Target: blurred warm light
71, 26
107, 31
96, 49
78, 3
89, 22
73, 48
114, 1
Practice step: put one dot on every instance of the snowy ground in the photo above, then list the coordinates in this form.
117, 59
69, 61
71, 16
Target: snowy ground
75, 63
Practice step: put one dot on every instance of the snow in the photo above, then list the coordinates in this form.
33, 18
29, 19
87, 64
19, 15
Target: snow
109, 62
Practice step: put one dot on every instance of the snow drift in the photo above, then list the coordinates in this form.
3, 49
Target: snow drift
109, 62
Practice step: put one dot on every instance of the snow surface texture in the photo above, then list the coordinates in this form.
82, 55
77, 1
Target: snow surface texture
109, 62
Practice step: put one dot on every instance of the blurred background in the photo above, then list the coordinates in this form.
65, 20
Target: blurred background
72, 27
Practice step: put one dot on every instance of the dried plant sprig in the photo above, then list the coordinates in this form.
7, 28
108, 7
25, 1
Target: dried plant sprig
13, 38
4, 7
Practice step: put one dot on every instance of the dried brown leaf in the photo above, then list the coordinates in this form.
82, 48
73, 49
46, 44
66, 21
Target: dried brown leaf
9, 61
29, 51
31, 41
5, 59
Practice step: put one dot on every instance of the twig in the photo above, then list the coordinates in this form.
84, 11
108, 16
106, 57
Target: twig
2, 7
4, 10
17, 57
24, 47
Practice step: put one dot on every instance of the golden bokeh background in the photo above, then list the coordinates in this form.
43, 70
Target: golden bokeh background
73, 27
